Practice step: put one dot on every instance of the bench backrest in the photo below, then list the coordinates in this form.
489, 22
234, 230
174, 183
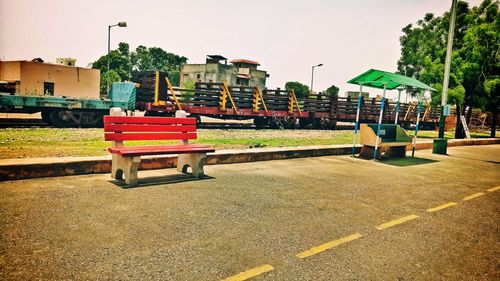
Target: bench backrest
387, 131
122, 128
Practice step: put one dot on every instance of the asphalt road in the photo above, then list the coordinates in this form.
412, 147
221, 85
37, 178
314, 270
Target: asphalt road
325, 218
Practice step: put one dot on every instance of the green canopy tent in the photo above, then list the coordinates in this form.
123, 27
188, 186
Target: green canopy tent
387, 81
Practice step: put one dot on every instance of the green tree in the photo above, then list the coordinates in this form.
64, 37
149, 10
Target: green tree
124, 49
300, 89
113, 77
150, 59
175, 77
123, 62
141, 59
120, 65
117, 62
475, 56
481, 55
188, 96
332, 91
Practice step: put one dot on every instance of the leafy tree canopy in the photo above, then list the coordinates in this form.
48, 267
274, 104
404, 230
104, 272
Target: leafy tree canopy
123, 62
475, 66
332, 90
300, 89
113, 77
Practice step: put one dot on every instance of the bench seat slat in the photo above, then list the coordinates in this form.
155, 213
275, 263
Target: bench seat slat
160, 149
382, 144
155, 147
148, 120
394, 143
148, 128
148, 136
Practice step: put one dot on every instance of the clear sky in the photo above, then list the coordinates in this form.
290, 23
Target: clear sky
287, 37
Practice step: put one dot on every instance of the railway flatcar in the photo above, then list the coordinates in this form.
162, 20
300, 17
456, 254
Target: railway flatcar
66, 111
273, 108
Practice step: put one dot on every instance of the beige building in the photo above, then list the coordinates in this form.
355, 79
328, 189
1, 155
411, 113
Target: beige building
239, 72
38, 78
355, 95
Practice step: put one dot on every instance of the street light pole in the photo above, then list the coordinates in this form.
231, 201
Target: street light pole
120, 24
312, 75
441, 144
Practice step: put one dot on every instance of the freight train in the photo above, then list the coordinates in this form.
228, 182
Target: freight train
153, 93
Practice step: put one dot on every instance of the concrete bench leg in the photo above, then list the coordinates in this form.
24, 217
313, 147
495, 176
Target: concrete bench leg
396, 151
125, 166
368, 151
193, 160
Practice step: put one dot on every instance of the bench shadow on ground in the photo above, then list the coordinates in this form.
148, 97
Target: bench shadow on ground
158, 180
406, 162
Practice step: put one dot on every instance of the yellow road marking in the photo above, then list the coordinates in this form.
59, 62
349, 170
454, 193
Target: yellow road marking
328, 245
250, 273
396, 222
494, 189
444, 206
473, 196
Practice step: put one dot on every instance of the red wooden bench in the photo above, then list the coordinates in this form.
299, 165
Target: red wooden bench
126, 159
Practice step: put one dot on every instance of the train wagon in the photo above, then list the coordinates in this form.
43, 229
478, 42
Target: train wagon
274, 108
65, 111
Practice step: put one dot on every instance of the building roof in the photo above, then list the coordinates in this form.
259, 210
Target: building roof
216, 57
245, 61
45, 63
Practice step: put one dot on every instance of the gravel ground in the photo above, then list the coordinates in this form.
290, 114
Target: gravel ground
247, 215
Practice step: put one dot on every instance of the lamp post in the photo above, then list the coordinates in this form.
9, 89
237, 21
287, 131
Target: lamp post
312, 75
120, 24
440, 144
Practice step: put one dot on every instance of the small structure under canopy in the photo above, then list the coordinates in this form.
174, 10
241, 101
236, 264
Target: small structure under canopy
387, 81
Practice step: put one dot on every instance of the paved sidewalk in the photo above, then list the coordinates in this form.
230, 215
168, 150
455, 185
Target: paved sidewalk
323, 218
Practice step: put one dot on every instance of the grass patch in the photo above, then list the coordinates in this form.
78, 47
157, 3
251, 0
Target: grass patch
54, 142
447, 135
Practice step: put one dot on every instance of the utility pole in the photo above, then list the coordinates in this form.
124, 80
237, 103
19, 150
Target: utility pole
312, 75
120, 24
440, 145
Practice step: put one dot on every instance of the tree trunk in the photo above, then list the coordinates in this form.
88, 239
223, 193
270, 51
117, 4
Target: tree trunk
494, 121
459, 130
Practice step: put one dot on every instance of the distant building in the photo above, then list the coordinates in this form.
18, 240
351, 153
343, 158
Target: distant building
379, 97
355, 95
38, 78
240, 72
66, 61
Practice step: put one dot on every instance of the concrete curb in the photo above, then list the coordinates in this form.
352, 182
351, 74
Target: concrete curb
16, 169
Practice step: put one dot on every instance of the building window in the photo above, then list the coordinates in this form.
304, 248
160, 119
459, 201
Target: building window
48, 88
198, 76
242, 82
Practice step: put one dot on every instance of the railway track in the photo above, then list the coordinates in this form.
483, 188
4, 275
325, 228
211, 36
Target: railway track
22, 123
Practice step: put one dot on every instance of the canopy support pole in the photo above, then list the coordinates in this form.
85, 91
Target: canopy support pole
397, 106
356, 125
379, 122
416, 126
